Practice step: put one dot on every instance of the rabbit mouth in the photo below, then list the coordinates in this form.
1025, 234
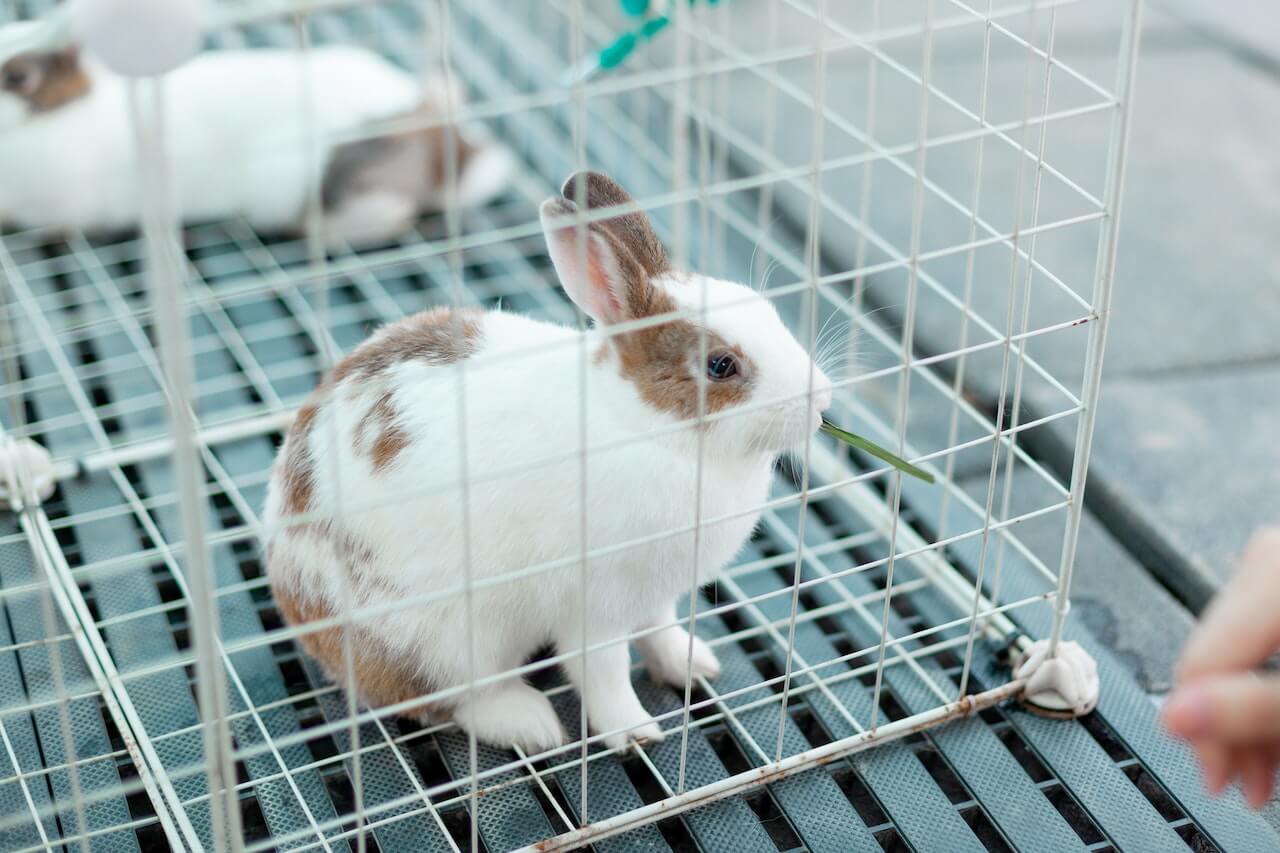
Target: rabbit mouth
788, 431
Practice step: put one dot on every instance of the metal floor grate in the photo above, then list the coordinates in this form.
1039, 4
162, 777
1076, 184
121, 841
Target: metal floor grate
1000, 780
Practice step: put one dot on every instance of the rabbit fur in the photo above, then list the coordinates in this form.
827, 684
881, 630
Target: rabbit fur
445, 452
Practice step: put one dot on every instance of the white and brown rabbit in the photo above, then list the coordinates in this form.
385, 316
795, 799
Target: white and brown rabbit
237, 134
373, 466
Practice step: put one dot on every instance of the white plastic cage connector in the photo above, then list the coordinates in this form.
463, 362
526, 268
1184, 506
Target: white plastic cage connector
140, 38
26, 472
1062, 685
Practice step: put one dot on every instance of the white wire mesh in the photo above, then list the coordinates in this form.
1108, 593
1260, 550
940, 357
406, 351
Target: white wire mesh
898, 179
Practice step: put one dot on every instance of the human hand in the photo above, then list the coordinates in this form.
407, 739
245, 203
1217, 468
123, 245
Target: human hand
1220, 704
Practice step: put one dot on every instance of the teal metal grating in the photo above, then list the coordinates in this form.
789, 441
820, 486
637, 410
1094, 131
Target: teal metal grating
89, 384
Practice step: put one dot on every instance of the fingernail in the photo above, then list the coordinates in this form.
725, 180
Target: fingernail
1186, 712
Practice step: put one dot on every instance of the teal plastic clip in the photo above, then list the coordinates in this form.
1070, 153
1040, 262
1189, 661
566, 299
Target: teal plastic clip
616, 52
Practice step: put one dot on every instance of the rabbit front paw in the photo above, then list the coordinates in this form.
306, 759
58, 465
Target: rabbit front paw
510, 715
666, 656
643, 732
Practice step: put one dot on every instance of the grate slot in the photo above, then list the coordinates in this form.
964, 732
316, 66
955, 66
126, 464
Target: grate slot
508, 818
1123, 726
276, 801
899, 782
95, 779
726, 825
992, 783
385, 777
1064, 751
675, 832
615, 786
1008, 796
812, 801
22, 731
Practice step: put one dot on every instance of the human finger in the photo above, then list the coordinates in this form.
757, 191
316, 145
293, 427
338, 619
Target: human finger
1216, 765
1241, 627
1257, 775
1242, 708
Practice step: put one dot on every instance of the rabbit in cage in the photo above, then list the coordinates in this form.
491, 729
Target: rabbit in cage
365, 503
241, 141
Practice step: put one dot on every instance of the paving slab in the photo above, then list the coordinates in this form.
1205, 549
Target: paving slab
1249, 27
1197, 283
1191, 463
1193, 274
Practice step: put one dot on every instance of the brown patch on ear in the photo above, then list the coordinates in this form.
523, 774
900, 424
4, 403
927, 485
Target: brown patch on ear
391, 437
45, 80
380, 679
664, 363
632, 230
614, 286
636, 290
438, 336
298, 476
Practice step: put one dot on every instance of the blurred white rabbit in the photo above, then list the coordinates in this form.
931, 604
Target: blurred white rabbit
240, 137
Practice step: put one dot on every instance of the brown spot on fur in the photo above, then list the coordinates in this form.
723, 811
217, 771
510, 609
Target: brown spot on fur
664, 361
391, 437
353, 553
443, 145
415, 163
380, 679
45, 80
632, 231
356, 558
438, 336
298, 475
388, 446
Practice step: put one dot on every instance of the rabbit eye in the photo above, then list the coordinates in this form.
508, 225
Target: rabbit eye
16, 78
722, 366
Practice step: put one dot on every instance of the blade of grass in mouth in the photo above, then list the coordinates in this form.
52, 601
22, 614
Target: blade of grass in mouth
855, 440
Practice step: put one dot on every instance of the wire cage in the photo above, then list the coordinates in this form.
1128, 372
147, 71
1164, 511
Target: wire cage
914, 186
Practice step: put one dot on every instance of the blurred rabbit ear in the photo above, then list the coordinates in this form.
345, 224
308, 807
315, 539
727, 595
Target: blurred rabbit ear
599, 275
23, 37
632, 229
50, 34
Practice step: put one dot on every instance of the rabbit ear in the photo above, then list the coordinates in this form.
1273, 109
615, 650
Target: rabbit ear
600, 276
633, 229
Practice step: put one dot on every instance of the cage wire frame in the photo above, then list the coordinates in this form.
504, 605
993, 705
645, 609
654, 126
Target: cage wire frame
196, 792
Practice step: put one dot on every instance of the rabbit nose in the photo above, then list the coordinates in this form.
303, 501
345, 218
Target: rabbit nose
822, 391
822, 398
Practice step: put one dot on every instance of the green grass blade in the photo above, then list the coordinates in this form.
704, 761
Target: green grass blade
855, 440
